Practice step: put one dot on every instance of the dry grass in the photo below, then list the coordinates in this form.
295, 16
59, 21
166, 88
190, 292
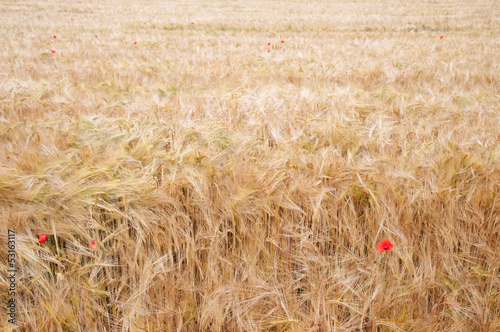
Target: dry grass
234, 189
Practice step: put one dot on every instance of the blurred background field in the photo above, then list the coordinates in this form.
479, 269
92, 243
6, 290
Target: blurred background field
238, 162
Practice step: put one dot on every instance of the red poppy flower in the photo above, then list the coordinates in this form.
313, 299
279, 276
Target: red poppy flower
441, 37
135, 43
92, 244
282, 41
95, 36
53, 51
42, 238
268, 51
54, 36
385, 245
192, 22
268, 44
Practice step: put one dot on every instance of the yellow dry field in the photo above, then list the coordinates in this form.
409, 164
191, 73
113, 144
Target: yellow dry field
237, 163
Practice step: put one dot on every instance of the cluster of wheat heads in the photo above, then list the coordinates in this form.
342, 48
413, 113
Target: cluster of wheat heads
235, 182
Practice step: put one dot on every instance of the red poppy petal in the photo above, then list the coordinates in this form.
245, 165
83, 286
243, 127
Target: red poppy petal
42, 238
384, 245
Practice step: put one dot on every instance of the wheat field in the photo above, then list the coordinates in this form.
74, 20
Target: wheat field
236, 164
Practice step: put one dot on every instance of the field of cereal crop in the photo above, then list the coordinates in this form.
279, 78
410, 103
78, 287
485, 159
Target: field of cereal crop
232, 165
